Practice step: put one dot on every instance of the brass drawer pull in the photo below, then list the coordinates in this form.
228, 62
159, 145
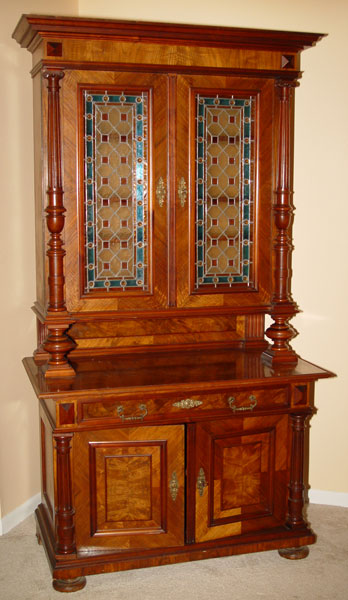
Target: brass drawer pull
174, 486
187, 403
182, 191
161, 191
142, 408
253, 403
201, 482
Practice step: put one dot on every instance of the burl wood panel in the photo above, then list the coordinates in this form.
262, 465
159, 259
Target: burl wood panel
244, 463
122, 482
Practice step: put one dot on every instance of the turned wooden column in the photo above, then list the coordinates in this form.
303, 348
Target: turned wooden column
65, 529
295, 518
283, 307
57, 320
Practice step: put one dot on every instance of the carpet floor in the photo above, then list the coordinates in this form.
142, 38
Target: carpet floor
323, 575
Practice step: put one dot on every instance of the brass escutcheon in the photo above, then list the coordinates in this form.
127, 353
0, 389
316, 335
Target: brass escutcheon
182, 191
161, 191
174, 486
201, 482
187, 403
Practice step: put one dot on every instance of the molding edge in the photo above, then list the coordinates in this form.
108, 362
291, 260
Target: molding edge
18, 515
327, 497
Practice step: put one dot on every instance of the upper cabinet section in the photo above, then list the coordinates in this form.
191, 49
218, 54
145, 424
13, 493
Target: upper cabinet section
163, 161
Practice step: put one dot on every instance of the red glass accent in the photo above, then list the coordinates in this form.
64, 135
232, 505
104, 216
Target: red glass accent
123, 159
106, 224
123, 138
106, 265
105, 138
124, 223
105, 159
214, 221
105, 117
105, 244
124, 265
123, 180
106, 201
105, 180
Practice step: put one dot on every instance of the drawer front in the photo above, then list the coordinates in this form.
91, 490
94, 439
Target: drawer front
127, 410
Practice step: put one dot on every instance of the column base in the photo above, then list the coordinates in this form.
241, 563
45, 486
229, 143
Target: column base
69, 585
294, 553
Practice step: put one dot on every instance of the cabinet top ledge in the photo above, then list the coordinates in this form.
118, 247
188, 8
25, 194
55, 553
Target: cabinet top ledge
30, 27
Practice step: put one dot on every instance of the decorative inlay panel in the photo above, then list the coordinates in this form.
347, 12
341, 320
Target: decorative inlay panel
225, 166
115, 190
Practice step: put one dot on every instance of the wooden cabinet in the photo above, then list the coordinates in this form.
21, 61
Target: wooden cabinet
171, 430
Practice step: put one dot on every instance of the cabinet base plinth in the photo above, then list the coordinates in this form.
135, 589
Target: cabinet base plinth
294, 553
69, 585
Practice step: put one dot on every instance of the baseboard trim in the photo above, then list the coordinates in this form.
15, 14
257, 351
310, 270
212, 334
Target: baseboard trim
19, 514
326, 497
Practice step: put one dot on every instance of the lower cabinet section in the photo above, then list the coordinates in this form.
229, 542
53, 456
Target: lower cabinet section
129, 488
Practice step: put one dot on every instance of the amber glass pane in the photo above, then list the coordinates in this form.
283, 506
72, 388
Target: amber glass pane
225, 157
115, 184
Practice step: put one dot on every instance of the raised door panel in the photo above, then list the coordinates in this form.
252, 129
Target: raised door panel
223, 225
115, 139
242, 471
129, 487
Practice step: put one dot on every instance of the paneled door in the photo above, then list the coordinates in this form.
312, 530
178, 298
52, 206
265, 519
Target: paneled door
129, 487
224, 190
241, 475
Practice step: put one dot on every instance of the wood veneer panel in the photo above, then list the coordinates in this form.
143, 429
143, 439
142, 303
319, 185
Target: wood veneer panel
122, 481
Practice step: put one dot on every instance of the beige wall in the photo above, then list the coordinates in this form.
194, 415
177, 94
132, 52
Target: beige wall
19, 449
320, 279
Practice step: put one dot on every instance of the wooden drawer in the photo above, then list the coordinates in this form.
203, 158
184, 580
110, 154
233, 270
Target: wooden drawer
144, 408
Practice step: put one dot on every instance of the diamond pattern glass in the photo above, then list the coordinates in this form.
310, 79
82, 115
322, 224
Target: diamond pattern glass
225, 159
115, 190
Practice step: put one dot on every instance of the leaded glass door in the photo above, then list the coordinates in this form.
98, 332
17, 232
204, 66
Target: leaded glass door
224, 149
122, 143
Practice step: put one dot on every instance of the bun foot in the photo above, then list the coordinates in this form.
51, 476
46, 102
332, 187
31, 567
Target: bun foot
294, 553
69, 585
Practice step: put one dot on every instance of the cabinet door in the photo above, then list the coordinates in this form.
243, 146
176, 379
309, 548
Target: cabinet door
241, 476
129, 487
115, 139
224, 227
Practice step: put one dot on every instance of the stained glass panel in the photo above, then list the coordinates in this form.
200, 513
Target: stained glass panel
115, 190
225, 159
